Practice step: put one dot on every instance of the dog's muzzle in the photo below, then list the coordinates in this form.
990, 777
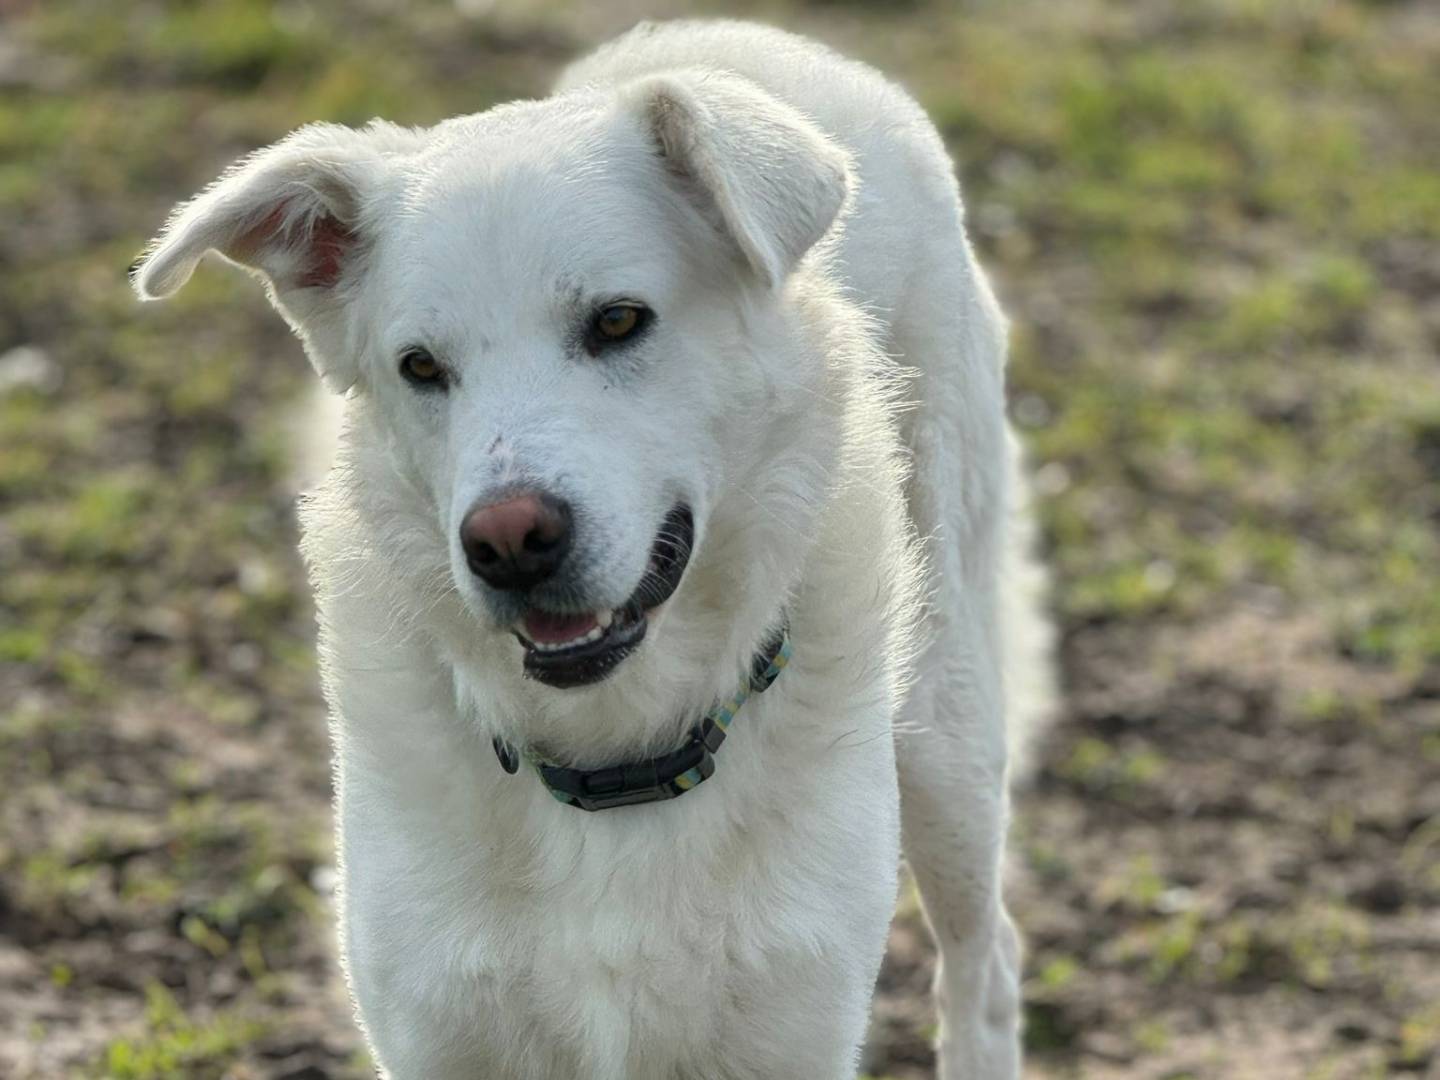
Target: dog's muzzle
568, 648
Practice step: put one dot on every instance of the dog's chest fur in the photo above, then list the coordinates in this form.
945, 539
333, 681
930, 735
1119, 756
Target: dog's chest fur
710, 937
726, 934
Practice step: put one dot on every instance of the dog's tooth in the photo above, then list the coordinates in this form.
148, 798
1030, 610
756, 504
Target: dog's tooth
604, 618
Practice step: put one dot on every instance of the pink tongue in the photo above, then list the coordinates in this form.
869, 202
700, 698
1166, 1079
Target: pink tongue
550, 629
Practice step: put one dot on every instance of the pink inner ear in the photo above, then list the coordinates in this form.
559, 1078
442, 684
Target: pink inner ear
329, 241
320, 254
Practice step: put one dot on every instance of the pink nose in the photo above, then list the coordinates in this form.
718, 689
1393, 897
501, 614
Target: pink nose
518, 542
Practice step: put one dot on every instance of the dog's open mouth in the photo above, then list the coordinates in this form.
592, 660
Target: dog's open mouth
565, 650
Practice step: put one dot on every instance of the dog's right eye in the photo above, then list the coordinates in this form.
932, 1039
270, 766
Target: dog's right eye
421, 369
616, 324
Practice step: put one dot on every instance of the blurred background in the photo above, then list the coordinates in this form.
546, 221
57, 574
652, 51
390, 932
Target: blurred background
1216, 225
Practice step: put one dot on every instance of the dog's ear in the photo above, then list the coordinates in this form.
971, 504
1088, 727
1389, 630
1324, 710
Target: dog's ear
772, 178
297, 213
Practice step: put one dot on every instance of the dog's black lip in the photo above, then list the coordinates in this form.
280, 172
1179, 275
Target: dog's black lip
584, 664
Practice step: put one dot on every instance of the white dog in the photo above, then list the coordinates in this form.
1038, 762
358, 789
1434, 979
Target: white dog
627, 428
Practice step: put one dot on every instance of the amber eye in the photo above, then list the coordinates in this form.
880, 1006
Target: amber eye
422, 369
616, 323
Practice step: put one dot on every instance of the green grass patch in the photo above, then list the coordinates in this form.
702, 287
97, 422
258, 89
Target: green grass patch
176, 1046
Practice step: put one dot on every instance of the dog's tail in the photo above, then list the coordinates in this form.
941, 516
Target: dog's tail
1027, 632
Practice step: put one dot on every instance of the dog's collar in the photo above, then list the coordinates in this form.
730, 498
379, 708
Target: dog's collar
669, 775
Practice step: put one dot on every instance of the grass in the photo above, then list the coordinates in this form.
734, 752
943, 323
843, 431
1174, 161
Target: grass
1232, 199
176, 1047
1214, 224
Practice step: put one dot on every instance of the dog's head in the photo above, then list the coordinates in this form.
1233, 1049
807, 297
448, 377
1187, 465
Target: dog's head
575, 327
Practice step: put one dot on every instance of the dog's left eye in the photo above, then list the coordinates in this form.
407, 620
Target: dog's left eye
421, 369
616, 323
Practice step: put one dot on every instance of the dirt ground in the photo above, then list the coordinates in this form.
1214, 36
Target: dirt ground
1216, 226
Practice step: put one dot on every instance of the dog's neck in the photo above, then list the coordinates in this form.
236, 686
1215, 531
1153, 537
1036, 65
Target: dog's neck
667, 776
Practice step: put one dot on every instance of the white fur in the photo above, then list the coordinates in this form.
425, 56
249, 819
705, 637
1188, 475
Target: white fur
793, 219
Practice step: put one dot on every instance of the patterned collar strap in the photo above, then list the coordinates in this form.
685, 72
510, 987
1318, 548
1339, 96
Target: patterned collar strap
670, 775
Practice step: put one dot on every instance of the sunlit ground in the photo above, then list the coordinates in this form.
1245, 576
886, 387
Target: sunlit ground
1216, 225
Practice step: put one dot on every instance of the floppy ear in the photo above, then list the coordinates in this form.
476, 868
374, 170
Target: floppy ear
297, 213
775, 182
